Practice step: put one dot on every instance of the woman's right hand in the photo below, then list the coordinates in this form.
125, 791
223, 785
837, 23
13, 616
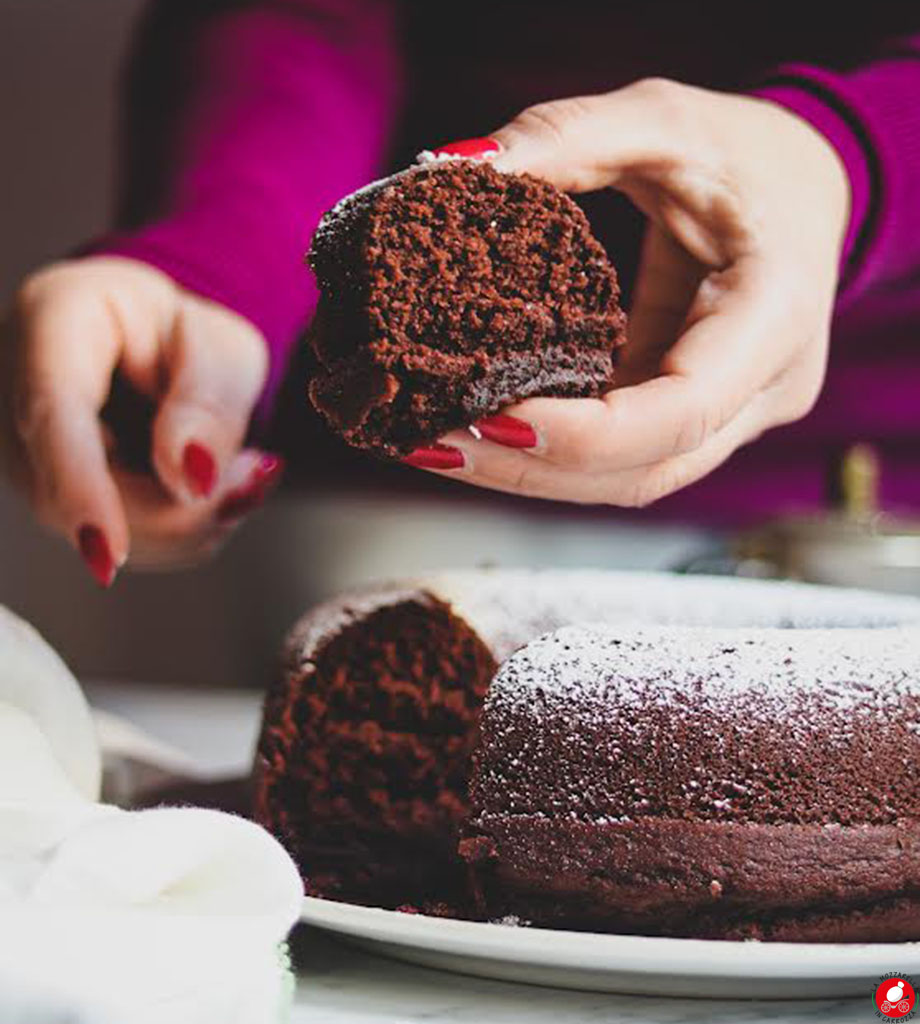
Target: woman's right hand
73, 325
729, 328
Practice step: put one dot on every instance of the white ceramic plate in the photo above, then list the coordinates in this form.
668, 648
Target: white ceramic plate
617, 963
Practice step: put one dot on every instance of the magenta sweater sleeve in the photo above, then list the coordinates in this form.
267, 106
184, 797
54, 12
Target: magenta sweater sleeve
871, 115
288, 104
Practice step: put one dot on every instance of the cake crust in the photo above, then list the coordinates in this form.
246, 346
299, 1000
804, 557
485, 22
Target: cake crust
706, 880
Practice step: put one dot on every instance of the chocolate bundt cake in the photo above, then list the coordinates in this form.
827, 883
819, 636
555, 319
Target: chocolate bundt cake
712, 758
450, 291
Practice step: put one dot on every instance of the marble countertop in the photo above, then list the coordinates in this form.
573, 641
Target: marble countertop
341, 984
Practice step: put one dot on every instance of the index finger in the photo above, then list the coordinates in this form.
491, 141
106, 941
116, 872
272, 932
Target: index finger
584, 143
67, 354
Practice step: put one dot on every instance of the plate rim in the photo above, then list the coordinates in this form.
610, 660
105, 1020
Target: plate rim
623, 953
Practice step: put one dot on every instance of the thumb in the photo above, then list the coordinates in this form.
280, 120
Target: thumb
216, 365
585, 143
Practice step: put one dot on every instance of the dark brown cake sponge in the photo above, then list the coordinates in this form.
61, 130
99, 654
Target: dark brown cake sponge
364, 755
450, 291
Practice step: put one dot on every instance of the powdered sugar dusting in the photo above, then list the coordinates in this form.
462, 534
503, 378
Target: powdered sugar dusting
801, 704
586, 669
511, 607
508, 607
736, 635
429, 156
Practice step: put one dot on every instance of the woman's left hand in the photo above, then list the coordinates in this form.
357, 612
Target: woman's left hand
728, 332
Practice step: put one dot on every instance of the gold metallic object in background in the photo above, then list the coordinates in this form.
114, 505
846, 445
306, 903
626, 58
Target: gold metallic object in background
855, 543
859, 483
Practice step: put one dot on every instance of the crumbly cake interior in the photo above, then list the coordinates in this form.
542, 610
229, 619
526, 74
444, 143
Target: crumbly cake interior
366, 764
451, 291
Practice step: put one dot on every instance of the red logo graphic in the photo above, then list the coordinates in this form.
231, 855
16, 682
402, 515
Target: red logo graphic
895, 998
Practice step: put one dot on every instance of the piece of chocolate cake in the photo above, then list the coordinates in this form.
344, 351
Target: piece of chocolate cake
364, 759
450, 291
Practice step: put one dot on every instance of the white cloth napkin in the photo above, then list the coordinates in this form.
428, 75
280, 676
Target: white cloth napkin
110, 916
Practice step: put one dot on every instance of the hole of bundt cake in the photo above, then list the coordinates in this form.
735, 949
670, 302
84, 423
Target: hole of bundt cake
374, 784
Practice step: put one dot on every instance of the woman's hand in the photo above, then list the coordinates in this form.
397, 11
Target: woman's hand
74, 324
728, 332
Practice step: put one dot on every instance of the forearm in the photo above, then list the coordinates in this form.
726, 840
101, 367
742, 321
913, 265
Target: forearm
285, 106
871, 116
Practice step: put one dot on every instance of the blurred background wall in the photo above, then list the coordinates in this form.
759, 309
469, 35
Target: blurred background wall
221, 624
59, 61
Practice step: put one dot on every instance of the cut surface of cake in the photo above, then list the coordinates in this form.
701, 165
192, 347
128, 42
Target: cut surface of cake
448, 292
364, 761
636, 753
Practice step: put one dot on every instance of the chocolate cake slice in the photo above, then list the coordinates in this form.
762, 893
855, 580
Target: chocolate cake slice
450, 291
364, 757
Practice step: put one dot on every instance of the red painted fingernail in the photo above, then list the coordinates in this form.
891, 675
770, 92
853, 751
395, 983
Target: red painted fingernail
437, 456
95, 551
473, 149
508, 431
241, 502
200, 468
